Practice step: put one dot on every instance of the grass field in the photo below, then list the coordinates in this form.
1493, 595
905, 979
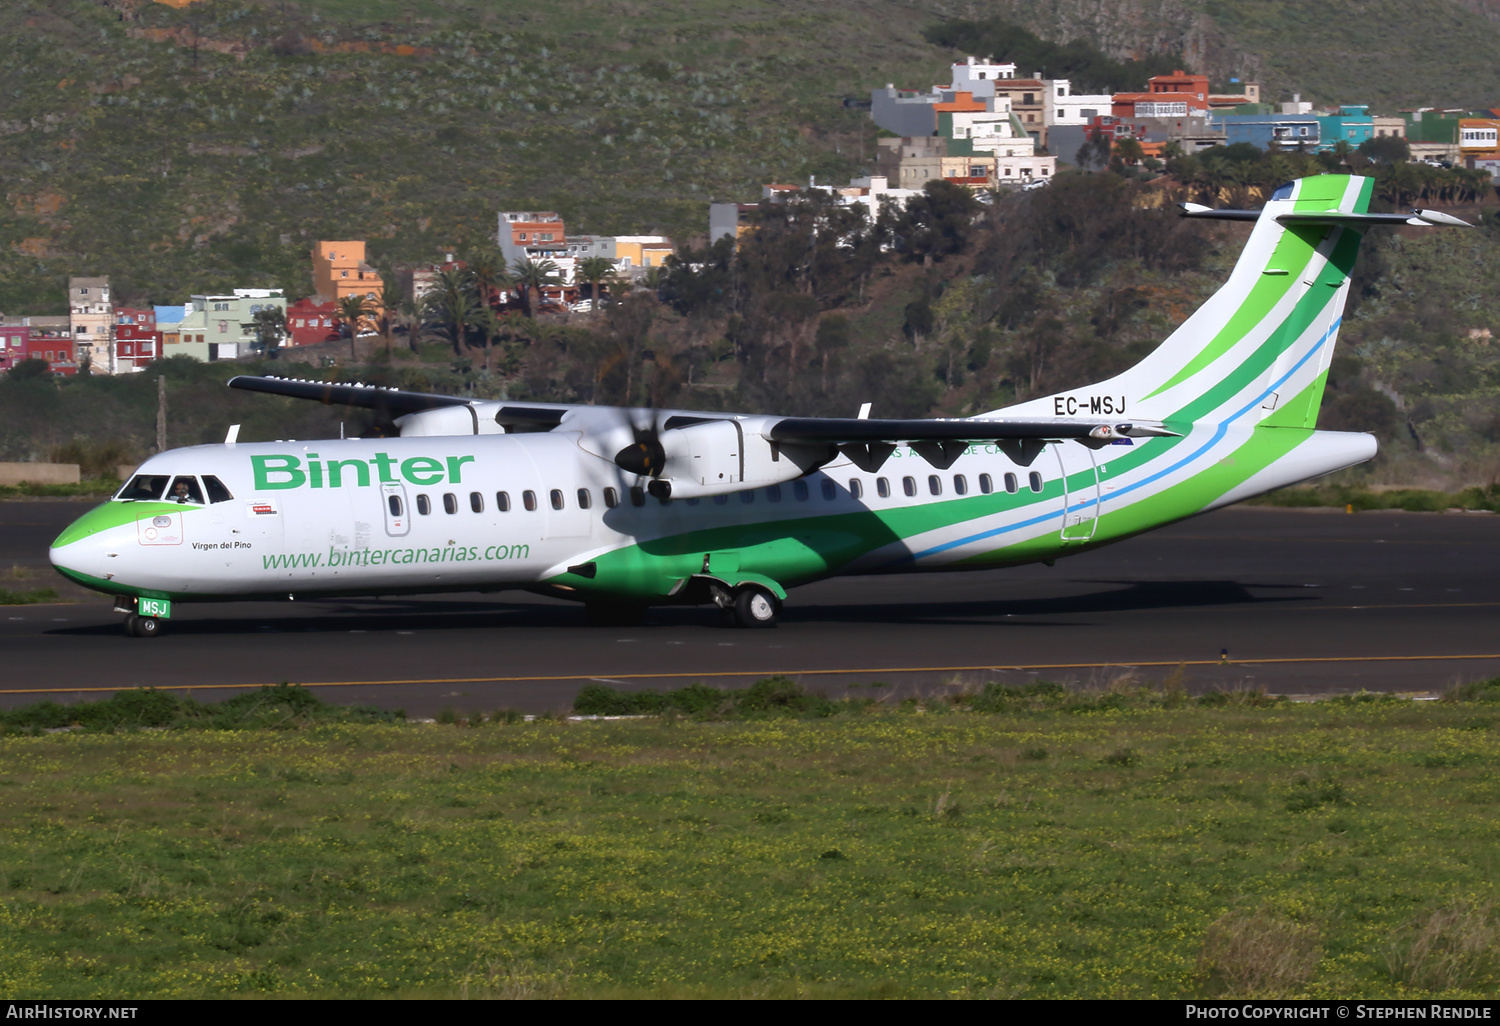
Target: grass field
1119, 846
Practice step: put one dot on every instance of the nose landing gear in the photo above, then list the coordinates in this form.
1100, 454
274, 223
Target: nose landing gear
138, 626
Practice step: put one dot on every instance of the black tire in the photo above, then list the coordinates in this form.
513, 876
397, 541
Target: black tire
756, 607
614, 614
130, 622
146, 627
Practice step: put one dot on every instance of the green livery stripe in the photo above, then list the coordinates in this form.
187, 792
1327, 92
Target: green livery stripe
1293, 253
114, 514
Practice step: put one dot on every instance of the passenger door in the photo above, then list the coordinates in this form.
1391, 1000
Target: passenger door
1080, 474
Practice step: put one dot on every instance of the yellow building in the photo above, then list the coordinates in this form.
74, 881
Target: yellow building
339, 270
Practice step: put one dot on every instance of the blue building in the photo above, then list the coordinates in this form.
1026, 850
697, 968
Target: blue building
1352, 124
1288, 131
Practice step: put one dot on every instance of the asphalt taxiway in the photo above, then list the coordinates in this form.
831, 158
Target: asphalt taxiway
1299, 602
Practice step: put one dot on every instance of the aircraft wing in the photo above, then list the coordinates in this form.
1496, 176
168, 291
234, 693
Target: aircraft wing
371, 397
850, 430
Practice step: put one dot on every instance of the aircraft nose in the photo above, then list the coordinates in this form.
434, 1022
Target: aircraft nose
81, 552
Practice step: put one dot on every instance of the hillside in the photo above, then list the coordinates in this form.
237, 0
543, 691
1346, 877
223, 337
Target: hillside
200, 149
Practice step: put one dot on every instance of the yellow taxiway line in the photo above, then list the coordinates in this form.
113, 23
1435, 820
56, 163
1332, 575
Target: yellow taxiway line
701, 675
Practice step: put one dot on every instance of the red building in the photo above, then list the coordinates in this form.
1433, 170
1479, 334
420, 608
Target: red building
136, 345
12, 345
309, 322
53, 343
1179, 94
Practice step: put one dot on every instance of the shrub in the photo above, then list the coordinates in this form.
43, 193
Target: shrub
1258, 955
1448, 949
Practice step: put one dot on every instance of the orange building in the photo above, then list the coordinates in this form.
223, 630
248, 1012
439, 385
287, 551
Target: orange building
339, 270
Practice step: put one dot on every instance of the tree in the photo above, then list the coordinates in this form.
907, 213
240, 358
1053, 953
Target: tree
937, 223
391, 301
354, 310
269, 325
453, 305
1386, 149
487, 276
533, 274
594, 270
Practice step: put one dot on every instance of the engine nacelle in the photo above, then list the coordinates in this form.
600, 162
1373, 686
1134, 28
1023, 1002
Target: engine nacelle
706, 456
715, 457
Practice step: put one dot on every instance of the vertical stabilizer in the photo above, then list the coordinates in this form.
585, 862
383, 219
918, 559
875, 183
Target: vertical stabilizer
1259, 349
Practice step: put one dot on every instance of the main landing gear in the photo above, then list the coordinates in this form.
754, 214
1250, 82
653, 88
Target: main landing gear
755, 606
138, 626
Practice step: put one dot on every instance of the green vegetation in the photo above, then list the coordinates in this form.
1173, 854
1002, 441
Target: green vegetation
285, 707
1119, 843
1413, 500
27, 598
1089, 69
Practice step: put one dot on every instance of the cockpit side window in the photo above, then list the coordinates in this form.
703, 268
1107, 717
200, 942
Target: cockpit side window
144, 486
185, 489
216, 490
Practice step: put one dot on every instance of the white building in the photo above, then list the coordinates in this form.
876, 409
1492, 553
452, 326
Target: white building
978, 77
1065, 107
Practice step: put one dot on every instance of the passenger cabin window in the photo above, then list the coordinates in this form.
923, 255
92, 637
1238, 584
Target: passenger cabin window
773, 493
585, 500
637, 496
909, 485
960, 485
502, 501
883, 487
476, 502
185, 489
528, 499
934, 484
611, 498
424, 505
986, 483
799, 491
216, 490
555, 497
747, 497
1010, 483
394, 502
855, 488
1035, 480
829, 490
721, 500
450, 502
144, 486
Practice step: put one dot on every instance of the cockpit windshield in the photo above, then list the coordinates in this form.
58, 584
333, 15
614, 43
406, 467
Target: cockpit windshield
144, 487
185, 489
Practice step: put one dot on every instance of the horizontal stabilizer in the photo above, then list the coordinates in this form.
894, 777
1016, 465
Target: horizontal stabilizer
1418, 218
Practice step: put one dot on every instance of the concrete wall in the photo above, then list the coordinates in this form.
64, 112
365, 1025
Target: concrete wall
39, 473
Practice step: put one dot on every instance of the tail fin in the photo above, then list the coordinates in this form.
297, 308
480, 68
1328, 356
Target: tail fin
1259, 349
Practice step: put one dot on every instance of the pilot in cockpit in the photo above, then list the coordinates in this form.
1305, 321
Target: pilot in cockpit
185, 489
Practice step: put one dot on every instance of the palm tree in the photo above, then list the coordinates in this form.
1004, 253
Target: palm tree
594, 270
488, 323
487, 275
391, 301
353, 310
452, 302
533, 274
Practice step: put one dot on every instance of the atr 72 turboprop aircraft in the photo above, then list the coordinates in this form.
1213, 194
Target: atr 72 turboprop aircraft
622, 508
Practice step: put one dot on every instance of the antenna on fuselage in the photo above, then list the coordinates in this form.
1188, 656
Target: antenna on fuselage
864, 411
233, 435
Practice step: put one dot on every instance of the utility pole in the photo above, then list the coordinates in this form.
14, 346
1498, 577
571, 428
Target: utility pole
161, 414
